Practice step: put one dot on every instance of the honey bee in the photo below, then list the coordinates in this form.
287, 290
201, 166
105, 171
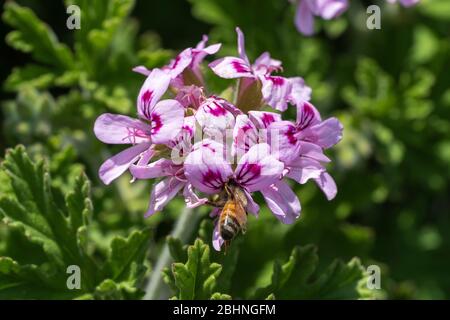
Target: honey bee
233, 217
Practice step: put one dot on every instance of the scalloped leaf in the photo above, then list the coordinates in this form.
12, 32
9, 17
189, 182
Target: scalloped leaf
298, 278
197, 278
58, 225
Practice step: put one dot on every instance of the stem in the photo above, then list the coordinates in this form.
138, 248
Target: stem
183, 230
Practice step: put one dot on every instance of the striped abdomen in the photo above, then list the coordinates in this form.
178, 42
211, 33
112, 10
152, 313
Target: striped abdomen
232, 220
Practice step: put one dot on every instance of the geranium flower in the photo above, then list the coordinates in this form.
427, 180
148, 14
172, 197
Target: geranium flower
184, 70
274, 89
172, 171
257, 170
300, 146
158, 123
215, 116
183, 142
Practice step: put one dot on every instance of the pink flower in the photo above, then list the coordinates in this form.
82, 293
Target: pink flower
267, 149
215, 116
275, 89
257, 170
185, 68
326, 9
300, 146
172, 172
158, 123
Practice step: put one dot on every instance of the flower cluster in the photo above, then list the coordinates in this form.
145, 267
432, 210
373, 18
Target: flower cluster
327, 10
197, 143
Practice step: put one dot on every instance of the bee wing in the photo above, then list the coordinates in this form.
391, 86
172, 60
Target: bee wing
239, 195
241, 215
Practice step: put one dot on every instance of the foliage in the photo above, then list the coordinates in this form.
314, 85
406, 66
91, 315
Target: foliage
192, 276
57, 228
197, 277
389, 87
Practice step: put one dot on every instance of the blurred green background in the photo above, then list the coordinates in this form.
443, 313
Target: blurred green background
389, 87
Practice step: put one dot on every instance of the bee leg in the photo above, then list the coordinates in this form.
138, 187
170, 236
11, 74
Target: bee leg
226, 245
212, 203
217, 203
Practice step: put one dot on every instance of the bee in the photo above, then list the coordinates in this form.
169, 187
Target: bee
233, 217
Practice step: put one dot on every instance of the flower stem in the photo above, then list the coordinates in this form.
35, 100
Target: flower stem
184, 227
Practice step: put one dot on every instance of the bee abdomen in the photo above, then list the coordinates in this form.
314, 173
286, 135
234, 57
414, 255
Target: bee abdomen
229, 228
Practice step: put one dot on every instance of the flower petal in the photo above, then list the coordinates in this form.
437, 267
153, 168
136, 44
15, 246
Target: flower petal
409, 3
245, 135
325, 134
207, 170
307, 115
179, 64
258, 169
214, 118
313, 151
327, 185
252, 206
119, 163
144, 159
162, 193
191, 199
304, 18
241, 45
159, 168
199, 53
304, 169
300, 92
263, 119
231, 68
264, 63
142, 70
167, 119
181, 145
117, 129
152, 90
330, 9
275, 91
283, 202
283, 142
217, 240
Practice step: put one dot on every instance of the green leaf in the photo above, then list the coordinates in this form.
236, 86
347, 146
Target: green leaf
126, 259
35, 37
58, 226
298, 278
220, 296
30, 282
178, 251
111, 290
196, 279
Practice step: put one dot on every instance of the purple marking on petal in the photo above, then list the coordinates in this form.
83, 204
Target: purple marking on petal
267, 119
249, 171
175, 62
156, 123
277, 81
134, 133
290, 134
307, 116
146, 100
246, 128
212, 179
188, 129
217, 110
239, 67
